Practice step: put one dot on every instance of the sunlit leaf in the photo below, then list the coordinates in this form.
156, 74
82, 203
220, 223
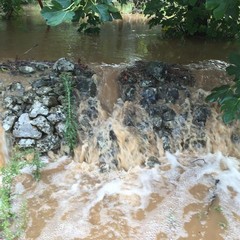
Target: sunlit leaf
54, 17
103, 12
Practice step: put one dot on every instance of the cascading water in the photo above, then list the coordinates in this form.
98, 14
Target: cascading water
123, 184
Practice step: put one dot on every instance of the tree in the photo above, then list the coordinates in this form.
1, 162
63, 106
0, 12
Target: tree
211, 18
11, 7
89, 13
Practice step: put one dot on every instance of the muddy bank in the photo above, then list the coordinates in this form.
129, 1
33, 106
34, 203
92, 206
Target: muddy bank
161, 107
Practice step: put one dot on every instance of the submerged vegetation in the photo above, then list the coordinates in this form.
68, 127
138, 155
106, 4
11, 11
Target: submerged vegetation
12, 223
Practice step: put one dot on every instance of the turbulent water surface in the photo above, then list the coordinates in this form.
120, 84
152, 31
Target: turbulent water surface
190, 195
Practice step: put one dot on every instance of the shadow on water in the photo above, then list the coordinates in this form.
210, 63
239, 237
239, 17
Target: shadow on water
120, 41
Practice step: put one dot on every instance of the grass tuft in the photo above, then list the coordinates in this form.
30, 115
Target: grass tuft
13, 223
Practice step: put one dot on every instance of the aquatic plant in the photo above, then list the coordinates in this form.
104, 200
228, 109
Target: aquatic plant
228, 96
8, 218
71, 120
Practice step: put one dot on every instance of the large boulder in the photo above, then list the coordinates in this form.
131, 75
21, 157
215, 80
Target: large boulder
63, 65
24, 129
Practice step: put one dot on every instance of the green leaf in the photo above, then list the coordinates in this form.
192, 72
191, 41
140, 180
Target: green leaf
234, 69
228, 117
192, 2
229, 104
55, 17
221, 7
103, 12
64, 3
218, 7
117, 15
218, 93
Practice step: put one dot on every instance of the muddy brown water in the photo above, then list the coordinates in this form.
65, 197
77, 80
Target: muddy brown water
120, 41
178, 200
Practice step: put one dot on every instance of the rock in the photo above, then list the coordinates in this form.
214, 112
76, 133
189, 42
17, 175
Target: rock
129, 94
166, 143
172, 95
9, 101
112, 135
84, 123
150, 95
146, 83
38, 109
42, 124
50, 101
157, 122
152, 162
50, 142
200, 115
60, 129
156, 70
63, 65
46, 81
40, 66
128, 120
235, 137
29, 97
168, 115
16, 88
24, 129
17, 109
26, 69
58, 90
26, 143
8, 122
56, 114
161, 111
86, 86
44, 90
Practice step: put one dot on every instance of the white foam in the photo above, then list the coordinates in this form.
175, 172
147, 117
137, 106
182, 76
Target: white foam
89, 201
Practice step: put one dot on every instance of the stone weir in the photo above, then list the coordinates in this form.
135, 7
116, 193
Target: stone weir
160, 104
33, 113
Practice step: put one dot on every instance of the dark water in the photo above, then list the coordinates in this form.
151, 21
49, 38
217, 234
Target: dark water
118, 42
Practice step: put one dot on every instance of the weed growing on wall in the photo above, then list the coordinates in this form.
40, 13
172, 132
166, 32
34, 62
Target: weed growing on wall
71, 120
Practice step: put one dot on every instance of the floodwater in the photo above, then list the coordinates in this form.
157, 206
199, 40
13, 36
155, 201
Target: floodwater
118, 42
189, 196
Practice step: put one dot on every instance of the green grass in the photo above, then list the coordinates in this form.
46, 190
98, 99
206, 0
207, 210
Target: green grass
12, 224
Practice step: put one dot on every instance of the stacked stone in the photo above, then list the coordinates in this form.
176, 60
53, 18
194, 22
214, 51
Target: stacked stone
36, 117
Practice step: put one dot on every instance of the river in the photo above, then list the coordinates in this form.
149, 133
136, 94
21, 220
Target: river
118, 42
191, 195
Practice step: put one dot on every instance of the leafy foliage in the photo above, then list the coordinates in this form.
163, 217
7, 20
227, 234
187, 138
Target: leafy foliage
90, 13
228, 96
212, 18
12, 7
